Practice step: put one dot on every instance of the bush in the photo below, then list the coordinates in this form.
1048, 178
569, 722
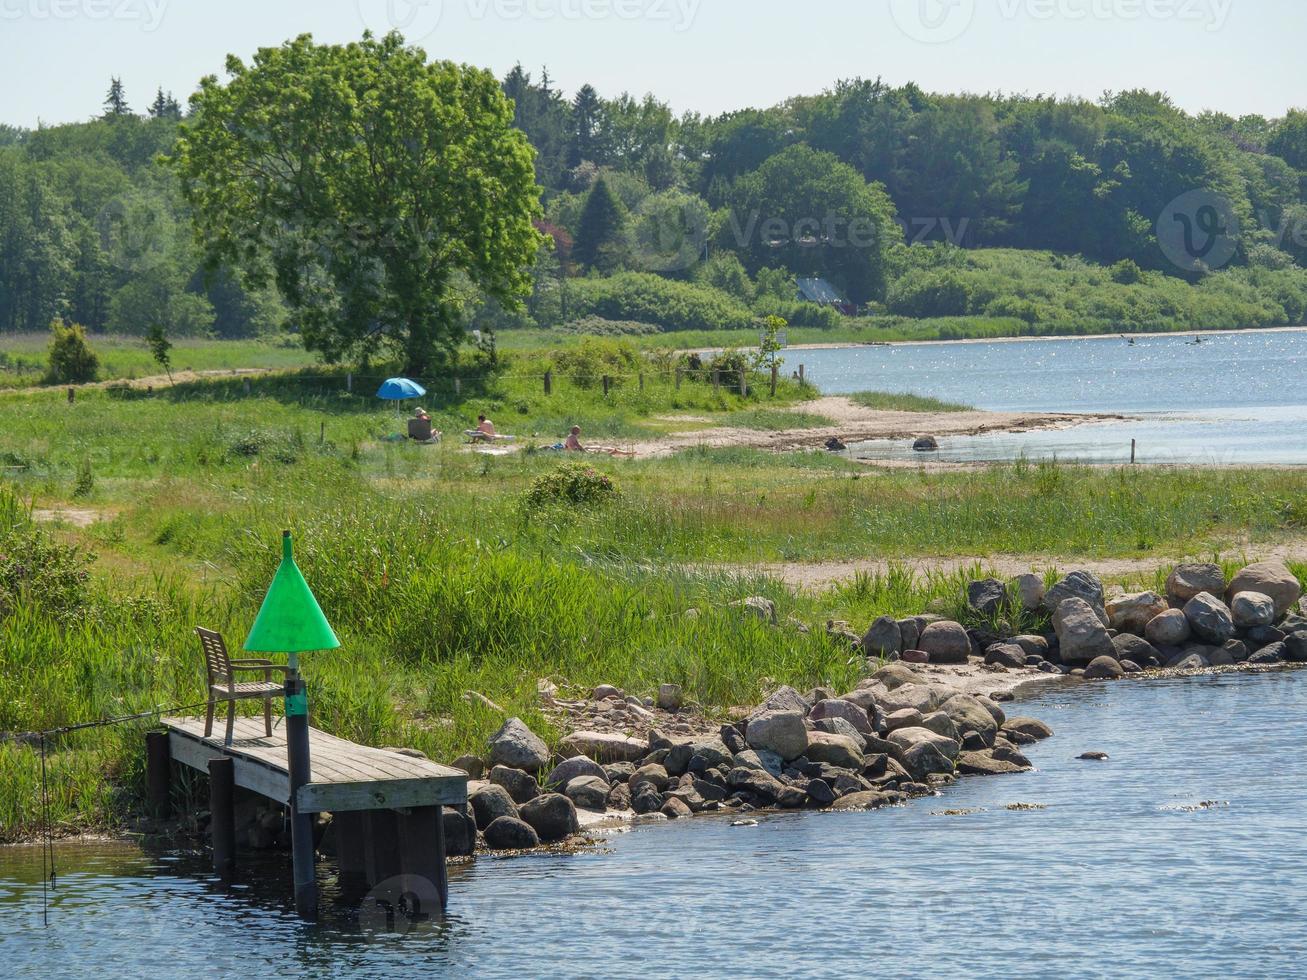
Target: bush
929, 294
34, 567
1126, 272
646, 298
572, 483
71, 359
586, 364
597, 326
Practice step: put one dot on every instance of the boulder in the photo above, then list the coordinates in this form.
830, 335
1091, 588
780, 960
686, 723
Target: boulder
460, 833
517, 747
926, 444
1030, 591
904, 738
1132, 648
1080, 631
946, 642
588, 792
757, 607
992, 706
1270, 578
941, 724
521, 786
915, 657
838, 726
1252, 609
1189, 580
784, 698
984, 764
970, 715
646, 799
1078, 585
910, 633
820, 793
839, 708
924, 759
757, 782
473, 765
489, 803
553, 816
1272, 654
920, 697
782, 732
893, 676
834, 750
987, 596
511, 834
675, 808
1028, 727
1104, 669
1189, 661
1006, 655
606, 692
883, 639
1295, 648
1131, 613
732, 738
619, 797
653, 775
903, 718
670, 697
1170, 629
579, 765
762, 761
1209, 619
604, 747
1237, 649
1034, 646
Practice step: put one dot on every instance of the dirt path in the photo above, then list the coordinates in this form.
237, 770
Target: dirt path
816, 576
853, 423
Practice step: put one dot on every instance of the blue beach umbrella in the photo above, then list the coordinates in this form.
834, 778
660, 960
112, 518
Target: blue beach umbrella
400, 389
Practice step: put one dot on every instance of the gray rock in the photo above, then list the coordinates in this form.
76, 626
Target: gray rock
511, 834
553, 816
1131, 613
588, 792
1131, 647
1189, 580
1252, 609
606, 692
992, 706
782, 732
883, 639
1209, 619
460, 833
820, 792
763, 761
894, 676
758, 607
646, 800
926, 444
1221, 658
619, 772
834, 750
604, 747
1104, 669
517, 747
521, 786
732, 739
1272, 654
1295, 648
784, 699
1078, 585
757, 782
670, 697
910, 633
984, 764
652, 775
839, 708
941, 724
473, 765
1170, 629
579, 765
987, 596
1029, 727
1270, 578
904, 738
923, 759
1189, 661
1237, 649
970, 715
1080, 631
868, 800
903, 718
838, 726
675, 808
1034, 646
489, 803
921, 697
1030, 591
946, 642
1006, 655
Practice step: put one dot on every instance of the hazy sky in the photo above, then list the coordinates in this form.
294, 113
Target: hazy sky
1238, 56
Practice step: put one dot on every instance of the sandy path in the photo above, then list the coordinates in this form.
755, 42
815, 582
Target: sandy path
853, 423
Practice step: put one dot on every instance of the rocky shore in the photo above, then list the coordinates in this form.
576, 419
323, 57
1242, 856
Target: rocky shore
929, 712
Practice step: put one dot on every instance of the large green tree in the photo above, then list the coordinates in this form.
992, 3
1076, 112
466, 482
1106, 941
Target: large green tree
370, 184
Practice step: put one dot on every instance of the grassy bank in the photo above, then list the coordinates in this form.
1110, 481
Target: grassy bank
442, 579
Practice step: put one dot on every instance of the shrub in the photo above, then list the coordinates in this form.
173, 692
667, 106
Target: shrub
597, 326
276, 446
588, 362
572, 483
34, 567
647, 298
71, 359
1126, 272
929, 293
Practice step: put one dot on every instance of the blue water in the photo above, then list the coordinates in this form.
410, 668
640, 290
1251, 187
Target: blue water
1123, 873
1234, 398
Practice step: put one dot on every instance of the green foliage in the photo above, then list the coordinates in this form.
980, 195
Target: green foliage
599, 231
410, 185
647, 298
1126, 273
571, 483
894, 402
71, 360
36, 569
160, 348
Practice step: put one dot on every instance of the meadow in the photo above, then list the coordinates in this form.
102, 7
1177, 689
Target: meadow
446, 571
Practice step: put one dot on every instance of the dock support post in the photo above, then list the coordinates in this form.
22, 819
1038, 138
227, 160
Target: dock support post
381, 845
222, 811
422, 848
158, 774
351, 851
301, 824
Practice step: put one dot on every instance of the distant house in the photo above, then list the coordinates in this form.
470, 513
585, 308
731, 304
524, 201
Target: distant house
822, 293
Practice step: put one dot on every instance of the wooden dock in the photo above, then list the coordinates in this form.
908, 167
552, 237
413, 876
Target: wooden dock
387, 809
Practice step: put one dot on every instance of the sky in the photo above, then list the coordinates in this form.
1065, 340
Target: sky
709, 56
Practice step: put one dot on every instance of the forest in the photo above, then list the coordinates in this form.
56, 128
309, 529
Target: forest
1006, 213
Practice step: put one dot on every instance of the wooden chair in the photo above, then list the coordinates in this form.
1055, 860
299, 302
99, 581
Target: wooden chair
221, 670
421, 430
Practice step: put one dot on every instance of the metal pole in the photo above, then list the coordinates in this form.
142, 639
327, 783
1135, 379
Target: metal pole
301, 824
222, 813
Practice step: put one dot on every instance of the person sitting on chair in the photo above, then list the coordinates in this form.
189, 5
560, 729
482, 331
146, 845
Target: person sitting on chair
484, 432
573, 443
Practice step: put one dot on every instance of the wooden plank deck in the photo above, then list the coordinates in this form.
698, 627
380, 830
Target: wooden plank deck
346, 777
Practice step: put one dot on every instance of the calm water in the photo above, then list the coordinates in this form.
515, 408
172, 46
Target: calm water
1234, 398
1122, 874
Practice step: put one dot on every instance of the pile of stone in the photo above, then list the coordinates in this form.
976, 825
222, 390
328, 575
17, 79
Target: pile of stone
1203, 621
899, 734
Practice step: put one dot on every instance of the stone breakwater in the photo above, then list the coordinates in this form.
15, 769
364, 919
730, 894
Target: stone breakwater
911, 728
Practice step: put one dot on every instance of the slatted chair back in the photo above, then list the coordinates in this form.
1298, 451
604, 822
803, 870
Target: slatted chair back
421, 430
217, 662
